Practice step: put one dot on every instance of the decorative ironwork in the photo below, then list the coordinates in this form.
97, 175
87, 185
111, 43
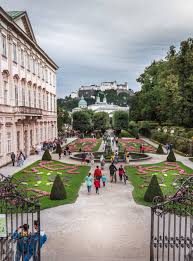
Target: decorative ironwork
18, 211
172, 225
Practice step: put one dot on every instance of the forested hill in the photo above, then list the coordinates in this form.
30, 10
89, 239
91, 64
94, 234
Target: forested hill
122, 99
167, 89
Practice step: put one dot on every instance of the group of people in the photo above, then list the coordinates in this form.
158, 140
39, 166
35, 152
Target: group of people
18, 159
27, 242
100, 177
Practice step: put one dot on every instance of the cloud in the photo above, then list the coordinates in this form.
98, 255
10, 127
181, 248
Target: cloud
104, 40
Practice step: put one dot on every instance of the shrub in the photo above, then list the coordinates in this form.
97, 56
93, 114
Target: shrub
58, 191
58, 148
153, 190
160, 149
160, 137
171, 157
46, 155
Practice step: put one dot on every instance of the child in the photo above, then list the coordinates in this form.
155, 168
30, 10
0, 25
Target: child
104, 179
97, 185
89, 182
121, 172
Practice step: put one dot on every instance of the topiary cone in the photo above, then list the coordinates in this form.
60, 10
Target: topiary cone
46, 155
160, 149
171, 157
153, 190
58, 191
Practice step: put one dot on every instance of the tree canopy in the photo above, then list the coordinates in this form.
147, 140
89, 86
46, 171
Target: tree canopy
82, 121
120, 120
101, 121
166, 89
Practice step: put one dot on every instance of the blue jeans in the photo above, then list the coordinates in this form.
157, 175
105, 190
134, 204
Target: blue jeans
18, 256
89, 188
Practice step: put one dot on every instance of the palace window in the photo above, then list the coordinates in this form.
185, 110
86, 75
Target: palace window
46, 75
28, 62
29, 97
47, 102
18, 140
31, 138
35, 99
40, 100
34, 66
23, 96
50, 78
14, 52
44, 104
5, 92
22, 57
4, 45
41, 135
16, 96
50, 102
8, 142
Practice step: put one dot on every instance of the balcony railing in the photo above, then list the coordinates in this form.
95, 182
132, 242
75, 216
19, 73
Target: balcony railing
28, 110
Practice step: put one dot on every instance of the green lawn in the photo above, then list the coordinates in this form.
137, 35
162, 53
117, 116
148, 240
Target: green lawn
43, 180
165, 179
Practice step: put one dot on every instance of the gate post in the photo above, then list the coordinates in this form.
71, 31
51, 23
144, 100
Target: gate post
152, 235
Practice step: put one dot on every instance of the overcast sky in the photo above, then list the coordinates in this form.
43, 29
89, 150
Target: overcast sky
105, 40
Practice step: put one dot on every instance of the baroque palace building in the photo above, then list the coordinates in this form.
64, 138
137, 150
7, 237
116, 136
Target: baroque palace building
28, 109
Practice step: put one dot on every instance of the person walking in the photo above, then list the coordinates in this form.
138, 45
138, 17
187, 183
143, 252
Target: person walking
121, 172
89, 182
13, 158
104, 179
97, 185
98, 174
113, 170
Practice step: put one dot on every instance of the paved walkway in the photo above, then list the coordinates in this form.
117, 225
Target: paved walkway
10, 170
105, 227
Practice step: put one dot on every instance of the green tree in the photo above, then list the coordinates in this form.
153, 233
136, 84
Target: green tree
58, 191
46, 156
120, 121
153, 190
101, 121
82, 121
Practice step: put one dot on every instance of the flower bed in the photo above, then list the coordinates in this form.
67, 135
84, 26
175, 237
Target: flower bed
38, 178
133, 145
168, 174
86, 144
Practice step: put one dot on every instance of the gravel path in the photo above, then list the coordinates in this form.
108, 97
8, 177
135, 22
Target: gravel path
105, 227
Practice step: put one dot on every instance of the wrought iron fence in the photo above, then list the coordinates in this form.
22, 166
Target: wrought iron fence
172, 226
19, 222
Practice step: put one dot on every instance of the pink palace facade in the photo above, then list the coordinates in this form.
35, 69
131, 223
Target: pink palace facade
28, 110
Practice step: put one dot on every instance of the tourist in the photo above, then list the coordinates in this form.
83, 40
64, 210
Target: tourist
60, 153
98, 174
127, 158
104, 179
22, 236
113, 170
83, 157
140, 148
89, 182
116, 156
167, 147
35, 240
101, 161
121, 172
97, 185
112, 158
13, 158
91, 159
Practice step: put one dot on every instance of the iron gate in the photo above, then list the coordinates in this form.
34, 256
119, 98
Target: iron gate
19, 222
172, 226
